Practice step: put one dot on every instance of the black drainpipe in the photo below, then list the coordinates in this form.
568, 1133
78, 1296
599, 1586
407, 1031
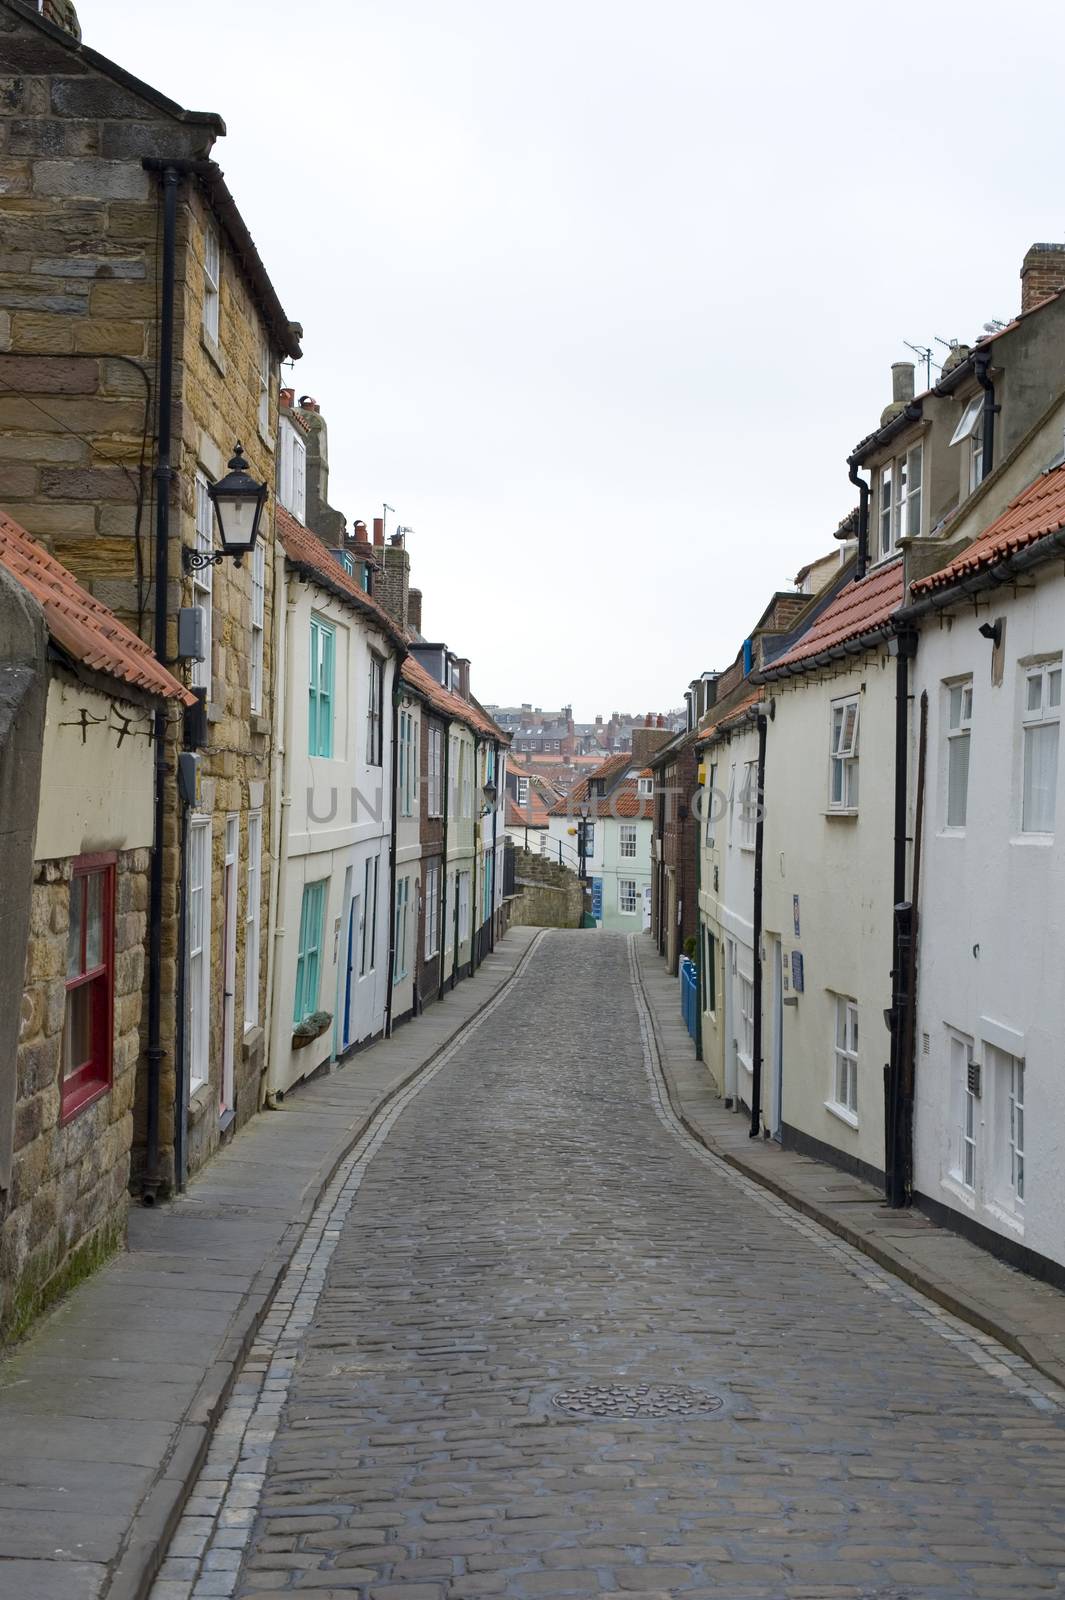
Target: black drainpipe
981, 364
759, 828
895, 1132
163, 475
442, 910
863, 517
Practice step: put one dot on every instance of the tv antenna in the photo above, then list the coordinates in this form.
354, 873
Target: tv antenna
923, 353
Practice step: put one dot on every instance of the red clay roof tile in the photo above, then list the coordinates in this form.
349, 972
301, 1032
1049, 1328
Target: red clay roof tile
87, 630
306, 551
859, 608
1037, 511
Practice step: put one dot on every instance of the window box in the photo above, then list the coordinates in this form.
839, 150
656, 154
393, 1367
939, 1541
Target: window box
312, 1027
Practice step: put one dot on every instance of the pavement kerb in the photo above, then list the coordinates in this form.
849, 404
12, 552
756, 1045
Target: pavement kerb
955, 1302
160, 1511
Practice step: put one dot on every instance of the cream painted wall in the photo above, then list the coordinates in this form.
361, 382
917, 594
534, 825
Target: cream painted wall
95, 794
840, 867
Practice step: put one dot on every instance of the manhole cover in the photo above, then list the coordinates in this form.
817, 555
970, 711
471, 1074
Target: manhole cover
636, 1400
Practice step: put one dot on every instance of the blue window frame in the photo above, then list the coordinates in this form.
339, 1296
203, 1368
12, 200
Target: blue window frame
320, 706
347, 561
308, 965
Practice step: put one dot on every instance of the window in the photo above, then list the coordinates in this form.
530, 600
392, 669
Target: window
347, 561
1004, 1086
264, 386
645, 787
843, 782
587, 829
201, 581
434, 784
745, 1019
845, 1074
212, 276
399, 963
198, 914
899, 500
748, 805
453, 775
523, 791
1041, 717
407, 776
959, 726
467, 780
710, 801
87, 1026
292, 475
258, 608
368, 954
375, 711
308, 962
628, 898
253, 919
432, 910
963, 1098
320, 704
970, 433
1012, 1070
627, 839
464, 906
709, 970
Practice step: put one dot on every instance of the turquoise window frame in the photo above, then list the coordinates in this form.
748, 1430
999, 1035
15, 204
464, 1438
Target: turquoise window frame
309, 960
320, 688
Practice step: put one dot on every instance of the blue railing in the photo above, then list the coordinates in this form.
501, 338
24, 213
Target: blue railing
689, 994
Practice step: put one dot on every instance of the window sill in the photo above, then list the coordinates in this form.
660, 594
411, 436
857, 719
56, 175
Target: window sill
213, 350
842, 814
1029, 841
948, 832
85, 1097
214, 711
268, 440
843, 1113
1009, 1219
258, 723
200, 1098
954, 1186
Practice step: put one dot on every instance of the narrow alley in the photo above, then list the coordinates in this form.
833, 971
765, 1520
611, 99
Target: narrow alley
537, 1342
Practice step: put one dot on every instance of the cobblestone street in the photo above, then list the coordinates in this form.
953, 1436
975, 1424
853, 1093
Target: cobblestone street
529, 1222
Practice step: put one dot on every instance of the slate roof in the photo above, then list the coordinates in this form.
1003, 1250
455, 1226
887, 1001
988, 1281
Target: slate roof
1037, 511
81, 626
449, 705
860, 608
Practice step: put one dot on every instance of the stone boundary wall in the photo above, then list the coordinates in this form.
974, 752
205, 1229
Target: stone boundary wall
549, 896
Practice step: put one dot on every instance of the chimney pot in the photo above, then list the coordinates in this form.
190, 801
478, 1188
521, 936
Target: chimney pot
1042, 273
288, 399
902, 382
308, 403
414, 609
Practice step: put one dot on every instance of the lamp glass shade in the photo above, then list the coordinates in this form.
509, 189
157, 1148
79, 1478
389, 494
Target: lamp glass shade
238, 502
489, 793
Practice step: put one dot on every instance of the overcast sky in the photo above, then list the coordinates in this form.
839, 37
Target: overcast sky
598, 295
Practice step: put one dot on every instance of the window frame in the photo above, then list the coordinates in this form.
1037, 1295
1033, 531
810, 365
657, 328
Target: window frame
625, 910
843, 1099
432, 910
264, 376
628, 834
744, 992
368, 932
253, 918
899, 510
522, 791
309, 949
434, 770
91, 1078
258, 626
645, 788
1033, 722
463, 891
844, 755
957, 735
406, 775
212, 285
321, 682
198, 978
375, 711
399, 961
748, 805
203, 578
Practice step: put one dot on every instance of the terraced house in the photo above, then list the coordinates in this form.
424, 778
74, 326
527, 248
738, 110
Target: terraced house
143, 339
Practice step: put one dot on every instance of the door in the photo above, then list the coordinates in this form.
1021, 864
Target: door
776, 1077
229, 969
342, 957
729, 1001
354, 919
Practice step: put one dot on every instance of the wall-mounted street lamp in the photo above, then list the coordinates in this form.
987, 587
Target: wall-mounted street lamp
582, 839
489, 792
238, 501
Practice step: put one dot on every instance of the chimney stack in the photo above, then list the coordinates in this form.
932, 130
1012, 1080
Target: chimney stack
1042, 273
414, 609
901, 390
62, 14
379, 531
645, 741
393, 584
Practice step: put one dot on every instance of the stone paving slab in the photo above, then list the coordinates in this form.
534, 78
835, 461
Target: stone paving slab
107, 1409
1025, 1315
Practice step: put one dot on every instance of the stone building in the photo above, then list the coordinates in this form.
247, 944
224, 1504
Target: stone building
77, 769
108, 190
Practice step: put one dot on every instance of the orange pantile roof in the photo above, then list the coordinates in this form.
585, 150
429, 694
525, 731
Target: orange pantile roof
84, 628
860, 608
622, 799
716, 722
1037, 511
449, 705
308, 554
533, 814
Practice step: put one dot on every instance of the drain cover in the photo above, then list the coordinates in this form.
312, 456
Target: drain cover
636, 1400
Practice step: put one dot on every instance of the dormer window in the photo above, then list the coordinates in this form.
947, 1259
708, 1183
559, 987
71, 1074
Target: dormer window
970, 434
646, 788
899, 500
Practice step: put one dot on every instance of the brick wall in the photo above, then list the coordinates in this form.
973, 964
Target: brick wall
66, 1208
680, 841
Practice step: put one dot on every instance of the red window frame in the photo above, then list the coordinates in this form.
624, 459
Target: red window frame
92, 1077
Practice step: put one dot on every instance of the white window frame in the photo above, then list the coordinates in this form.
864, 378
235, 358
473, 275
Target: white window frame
744, 992
711, 802
432, 910
1004, 1083
970, 430
748, 804
399, 964
899, 500
1042, 681
407, 763
264, 386
435, 771
453, 774
212, 284
253, 919
844, 753
628, 897
628, 839
467, 780
958, 719
843, 1099
368, 932
464, 906
198, 914
965, 1115
202, 579
522, 791
645, 788
258, 616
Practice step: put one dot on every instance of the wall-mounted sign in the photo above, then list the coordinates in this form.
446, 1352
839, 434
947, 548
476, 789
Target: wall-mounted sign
796, 972
597, 899
795, 913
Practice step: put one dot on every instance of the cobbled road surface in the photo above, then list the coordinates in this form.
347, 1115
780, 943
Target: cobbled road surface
530, 1227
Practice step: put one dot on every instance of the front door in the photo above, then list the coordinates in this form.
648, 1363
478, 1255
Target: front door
354, 915
776, 1088
229, 968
